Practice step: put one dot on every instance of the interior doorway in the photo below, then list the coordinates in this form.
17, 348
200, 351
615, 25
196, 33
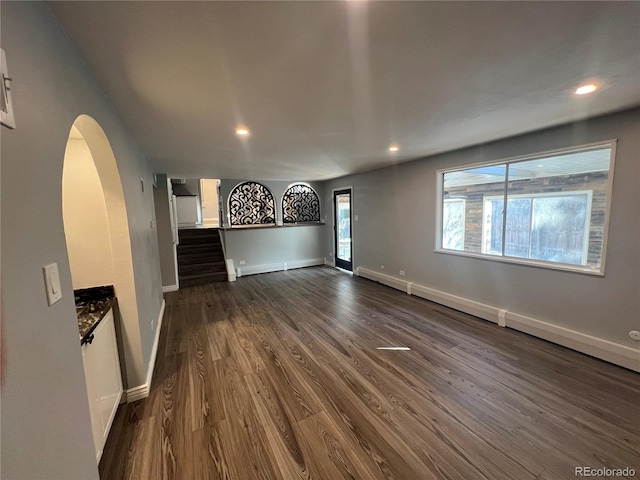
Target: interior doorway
97, 231
342, 228
209, 190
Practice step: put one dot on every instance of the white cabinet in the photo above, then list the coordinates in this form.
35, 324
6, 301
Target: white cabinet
104, 382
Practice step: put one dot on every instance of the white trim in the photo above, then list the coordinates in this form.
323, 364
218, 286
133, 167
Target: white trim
502, 317
308, 262
616, 353
137, 393
534, 156
563, 267
329, 261
383, 278
609, 351
142, 391
280, 266
487, 312
231, 271
169, 288
607, 215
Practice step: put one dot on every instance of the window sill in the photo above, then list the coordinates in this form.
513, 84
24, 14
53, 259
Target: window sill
527, 262
286, 225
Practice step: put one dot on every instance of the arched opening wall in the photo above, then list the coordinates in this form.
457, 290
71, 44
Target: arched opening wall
97, 231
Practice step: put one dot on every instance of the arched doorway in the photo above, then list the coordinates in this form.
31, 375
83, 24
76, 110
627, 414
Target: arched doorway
97, 231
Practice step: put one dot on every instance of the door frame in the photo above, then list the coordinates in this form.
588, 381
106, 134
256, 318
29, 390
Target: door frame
350, 189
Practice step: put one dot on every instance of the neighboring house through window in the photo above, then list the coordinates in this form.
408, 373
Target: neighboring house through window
556, 213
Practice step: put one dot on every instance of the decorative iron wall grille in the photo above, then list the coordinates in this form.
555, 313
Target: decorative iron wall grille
300, 204
251, 203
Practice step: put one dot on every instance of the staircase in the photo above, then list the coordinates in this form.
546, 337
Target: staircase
200, 257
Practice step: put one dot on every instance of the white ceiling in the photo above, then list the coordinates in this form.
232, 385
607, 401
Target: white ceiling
326, 87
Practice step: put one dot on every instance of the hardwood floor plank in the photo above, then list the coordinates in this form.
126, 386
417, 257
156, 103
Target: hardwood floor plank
277, 376
329, 453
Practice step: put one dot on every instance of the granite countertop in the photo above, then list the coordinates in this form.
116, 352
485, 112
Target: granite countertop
92, 304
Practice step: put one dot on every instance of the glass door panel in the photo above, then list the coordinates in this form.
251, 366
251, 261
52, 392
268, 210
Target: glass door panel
342, 228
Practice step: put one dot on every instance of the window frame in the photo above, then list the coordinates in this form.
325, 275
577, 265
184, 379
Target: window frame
582, 269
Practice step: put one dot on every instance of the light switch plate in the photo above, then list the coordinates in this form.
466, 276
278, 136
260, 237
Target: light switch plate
52, 283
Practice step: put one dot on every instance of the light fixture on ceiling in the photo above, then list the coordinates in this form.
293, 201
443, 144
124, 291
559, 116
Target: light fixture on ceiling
394, 148
587, 88
242, 131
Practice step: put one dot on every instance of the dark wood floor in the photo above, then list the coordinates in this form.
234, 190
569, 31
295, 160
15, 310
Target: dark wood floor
277, 376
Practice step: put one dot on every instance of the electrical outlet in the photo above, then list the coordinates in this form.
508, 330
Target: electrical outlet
402, 273
331, 254
381, 267
242, 262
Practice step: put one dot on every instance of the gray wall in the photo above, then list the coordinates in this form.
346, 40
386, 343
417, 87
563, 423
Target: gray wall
165, 235
264, 246
396, 228
46, 430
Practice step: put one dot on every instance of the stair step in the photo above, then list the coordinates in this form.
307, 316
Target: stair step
197, 232
211, 267
198, 249
200, 241
192, 235
200, 253
192, 280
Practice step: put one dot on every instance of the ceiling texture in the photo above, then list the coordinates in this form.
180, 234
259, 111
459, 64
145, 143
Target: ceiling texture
326, 87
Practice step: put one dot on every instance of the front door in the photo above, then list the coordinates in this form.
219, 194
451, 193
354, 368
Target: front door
342, 228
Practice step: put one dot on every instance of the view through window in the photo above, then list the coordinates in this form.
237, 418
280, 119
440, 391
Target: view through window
556, 208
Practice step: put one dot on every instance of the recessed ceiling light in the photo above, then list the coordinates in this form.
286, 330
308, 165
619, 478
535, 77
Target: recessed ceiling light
394, 148
584, 89
242, 131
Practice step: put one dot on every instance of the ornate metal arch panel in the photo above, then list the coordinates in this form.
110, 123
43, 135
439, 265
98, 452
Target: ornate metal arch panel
300, 204
251, 203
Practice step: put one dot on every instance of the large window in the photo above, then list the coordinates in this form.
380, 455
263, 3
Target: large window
548, 210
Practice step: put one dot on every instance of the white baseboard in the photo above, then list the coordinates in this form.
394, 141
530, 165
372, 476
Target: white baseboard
169, 288
383, 278
612, 352
484, 311
308, 262
137, 393
231, 271
142, 391
596, 347
278, 267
